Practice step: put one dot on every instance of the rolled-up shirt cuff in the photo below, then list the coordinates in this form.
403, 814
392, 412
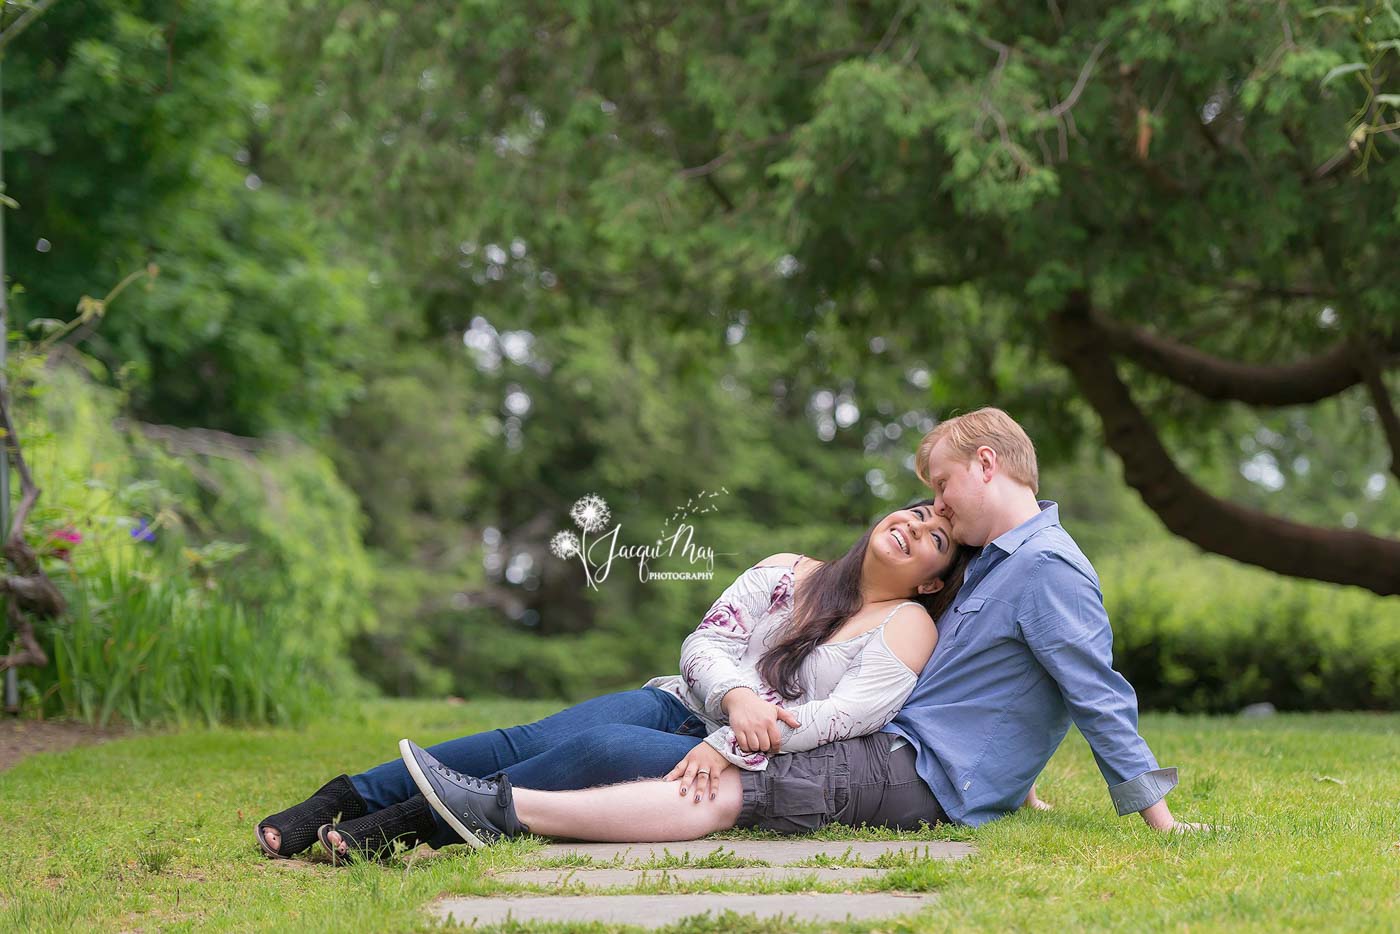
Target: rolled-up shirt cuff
1142, 792
726, 745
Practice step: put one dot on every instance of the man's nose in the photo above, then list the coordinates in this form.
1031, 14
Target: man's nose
940, 507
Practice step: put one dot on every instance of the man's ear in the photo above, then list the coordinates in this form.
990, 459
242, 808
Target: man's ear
987, 462
931, 586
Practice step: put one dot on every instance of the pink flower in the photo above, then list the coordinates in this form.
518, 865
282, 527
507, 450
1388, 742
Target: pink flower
66, 534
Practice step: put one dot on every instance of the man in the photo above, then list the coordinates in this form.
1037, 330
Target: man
1024, 650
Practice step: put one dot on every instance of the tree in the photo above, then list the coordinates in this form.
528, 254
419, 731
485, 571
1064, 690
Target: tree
1029, 194
129, 135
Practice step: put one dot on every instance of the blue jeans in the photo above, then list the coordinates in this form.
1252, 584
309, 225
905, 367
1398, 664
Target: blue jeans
614, 738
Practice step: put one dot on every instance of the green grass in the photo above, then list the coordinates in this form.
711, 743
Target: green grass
155, 832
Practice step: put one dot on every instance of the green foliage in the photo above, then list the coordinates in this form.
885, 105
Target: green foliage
280, 532
148, 644
129, 133
1200, 634
216, 585
684, 241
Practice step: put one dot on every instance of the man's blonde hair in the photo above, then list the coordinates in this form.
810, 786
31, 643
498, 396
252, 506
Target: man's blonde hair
990, 427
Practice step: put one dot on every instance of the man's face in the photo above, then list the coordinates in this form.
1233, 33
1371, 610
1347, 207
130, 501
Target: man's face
959, 494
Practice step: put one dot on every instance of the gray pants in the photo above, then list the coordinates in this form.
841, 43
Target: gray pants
853, 782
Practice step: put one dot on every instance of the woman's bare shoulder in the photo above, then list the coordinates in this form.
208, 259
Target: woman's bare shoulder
801, 564
911, 635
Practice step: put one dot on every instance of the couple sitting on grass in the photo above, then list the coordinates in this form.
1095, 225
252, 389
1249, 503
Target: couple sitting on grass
927, 675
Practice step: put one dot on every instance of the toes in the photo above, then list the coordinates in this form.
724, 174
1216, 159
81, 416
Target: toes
272, 838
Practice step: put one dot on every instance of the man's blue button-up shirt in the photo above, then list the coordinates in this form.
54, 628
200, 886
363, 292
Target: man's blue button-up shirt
1024, 650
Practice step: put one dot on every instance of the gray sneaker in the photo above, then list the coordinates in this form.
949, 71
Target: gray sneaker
480, 810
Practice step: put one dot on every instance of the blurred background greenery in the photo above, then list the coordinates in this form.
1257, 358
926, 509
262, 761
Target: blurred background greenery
430, 272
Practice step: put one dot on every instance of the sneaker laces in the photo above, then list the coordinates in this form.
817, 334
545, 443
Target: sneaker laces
484, 785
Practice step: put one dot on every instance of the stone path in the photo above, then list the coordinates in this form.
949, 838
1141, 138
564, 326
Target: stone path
785, 859
604, 878
786, 850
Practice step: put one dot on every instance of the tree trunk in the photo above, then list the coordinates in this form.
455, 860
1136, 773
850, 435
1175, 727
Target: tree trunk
1336, 555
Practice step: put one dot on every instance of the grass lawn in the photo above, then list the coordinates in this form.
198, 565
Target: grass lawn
155, 831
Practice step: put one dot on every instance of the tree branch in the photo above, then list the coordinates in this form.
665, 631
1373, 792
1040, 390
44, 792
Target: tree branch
724, 158
25, 20
1385, 407
1219, 526
31, 586
1081, 82
31, 653
1297, 383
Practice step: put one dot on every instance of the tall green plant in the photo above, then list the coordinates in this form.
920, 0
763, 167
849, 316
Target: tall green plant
149, 644
209, 578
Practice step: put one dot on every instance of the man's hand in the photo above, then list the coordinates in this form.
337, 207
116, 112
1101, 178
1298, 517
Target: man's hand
699, 770
755, 721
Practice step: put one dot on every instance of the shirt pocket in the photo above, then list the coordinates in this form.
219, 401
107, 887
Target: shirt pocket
962, 620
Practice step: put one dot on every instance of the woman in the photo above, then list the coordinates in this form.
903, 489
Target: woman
794, 654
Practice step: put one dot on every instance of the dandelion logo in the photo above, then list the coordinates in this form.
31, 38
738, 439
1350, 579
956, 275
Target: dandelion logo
564, 544
591, 513
592, 516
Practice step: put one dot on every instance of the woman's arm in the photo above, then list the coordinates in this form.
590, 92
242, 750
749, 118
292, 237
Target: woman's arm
710, 655
866, 698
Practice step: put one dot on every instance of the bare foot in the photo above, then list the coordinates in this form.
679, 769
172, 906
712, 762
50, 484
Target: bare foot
333, 837
272, 838
1033, 800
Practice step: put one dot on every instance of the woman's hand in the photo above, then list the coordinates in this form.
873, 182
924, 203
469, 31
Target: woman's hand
755, 721
699, 770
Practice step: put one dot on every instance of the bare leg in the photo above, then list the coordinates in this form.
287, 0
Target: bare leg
634, 812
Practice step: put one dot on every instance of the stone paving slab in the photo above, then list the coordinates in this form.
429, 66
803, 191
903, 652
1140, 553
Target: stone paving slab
657, 910
775, 852
618, 877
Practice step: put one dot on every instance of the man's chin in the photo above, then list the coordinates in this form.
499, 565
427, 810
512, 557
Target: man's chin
956, 533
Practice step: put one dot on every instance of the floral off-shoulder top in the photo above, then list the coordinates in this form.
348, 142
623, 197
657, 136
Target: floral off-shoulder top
849, 688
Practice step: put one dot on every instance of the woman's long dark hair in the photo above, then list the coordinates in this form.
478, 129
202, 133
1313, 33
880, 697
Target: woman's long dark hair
828, 597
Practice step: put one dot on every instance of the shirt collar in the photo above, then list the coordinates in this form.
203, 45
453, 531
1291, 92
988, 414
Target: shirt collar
1012, 539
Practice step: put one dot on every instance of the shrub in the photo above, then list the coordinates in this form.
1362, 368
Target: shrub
212, 578
1200, 633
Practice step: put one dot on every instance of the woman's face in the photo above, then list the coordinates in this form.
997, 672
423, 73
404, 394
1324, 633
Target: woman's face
914, 545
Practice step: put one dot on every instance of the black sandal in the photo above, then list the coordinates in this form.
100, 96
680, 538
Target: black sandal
337, 799
377, 836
